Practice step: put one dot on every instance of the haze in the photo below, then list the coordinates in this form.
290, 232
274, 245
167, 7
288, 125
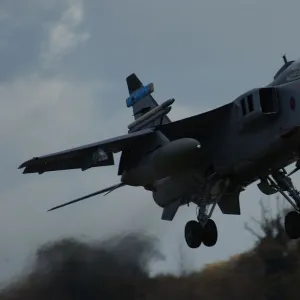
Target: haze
62, 84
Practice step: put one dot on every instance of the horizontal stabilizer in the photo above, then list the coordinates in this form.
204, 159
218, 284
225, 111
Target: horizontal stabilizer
106, 190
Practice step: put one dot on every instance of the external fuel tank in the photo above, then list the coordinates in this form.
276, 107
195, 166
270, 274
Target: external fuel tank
169, 159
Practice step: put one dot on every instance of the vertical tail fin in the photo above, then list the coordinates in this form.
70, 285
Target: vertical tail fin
140, 99
142, 102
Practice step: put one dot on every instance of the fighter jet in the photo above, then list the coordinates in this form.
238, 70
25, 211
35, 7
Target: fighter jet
207, 159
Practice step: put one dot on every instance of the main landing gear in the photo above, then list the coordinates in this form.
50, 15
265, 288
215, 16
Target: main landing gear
281, 183
196, 233
202, 231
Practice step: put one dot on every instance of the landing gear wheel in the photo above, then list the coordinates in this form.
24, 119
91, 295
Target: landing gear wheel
193, 234
292, 225
210, 234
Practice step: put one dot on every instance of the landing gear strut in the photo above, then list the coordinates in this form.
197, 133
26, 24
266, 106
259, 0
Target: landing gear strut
282, 184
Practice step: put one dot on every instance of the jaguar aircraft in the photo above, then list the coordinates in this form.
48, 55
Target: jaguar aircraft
207, 159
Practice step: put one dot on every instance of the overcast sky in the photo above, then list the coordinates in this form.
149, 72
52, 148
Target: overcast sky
63, 66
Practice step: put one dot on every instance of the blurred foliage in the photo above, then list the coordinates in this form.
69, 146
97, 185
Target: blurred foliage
118, 269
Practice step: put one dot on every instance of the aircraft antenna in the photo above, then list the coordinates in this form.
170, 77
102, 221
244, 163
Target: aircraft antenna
284, 59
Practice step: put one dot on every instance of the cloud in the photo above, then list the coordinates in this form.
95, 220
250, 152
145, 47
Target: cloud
62, 84
56, 105
64, 35
4, 15
41, 115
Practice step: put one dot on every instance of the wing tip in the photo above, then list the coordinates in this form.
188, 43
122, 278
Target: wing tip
23, 165
26, 171
32, 169
27, 162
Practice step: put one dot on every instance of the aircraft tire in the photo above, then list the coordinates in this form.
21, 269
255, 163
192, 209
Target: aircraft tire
292, 224
192, 233
210, 234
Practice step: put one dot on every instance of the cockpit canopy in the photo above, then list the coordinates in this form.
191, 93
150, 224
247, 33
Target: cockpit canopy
284, 67
290, 71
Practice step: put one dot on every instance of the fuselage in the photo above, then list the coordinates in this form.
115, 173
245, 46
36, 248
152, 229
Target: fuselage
262, 134
259, 134
247, 139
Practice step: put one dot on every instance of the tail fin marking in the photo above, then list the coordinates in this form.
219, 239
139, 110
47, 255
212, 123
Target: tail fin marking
141, 100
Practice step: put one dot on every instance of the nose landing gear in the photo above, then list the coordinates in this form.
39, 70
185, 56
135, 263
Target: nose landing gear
282, 184
292, 225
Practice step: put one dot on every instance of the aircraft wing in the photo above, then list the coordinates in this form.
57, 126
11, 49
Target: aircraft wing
87, 156
198, 126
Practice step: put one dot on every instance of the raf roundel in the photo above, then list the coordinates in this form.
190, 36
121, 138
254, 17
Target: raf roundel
292, 103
